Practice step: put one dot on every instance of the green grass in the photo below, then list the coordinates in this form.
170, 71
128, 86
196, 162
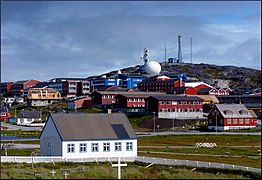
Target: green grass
19, 133
19, 152
224, 143
136, 119
191, 140
134, 170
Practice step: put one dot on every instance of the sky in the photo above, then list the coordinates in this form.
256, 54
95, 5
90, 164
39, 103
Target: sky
51, 39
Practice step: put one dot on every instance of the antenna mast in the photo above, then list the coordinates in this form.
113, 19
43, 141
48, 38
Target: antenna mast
191, 49
179, 56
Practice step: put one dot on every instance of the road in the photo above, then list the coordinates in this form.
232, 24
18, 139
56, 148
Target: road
195, 132
23, 128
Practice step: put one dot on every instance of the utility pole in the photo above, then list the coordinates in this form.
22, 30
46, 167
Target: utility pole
173, 125
216, 119
154, 123
191, 49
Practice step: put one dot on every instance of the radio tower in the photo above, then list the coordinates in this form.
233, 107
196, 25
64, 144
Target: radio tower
179, 56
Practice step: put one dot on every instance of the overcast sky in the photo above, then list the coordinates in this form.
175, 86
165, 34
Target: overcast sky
49, 39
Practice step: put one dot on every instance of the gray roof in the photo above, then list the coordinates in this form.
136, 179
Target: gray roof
168, 97
84, 126
235, 108
29, 114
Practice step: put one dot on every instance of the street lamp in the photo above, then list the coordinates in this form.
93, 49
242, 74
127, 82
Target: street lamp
173, 125
154, 123
216, 118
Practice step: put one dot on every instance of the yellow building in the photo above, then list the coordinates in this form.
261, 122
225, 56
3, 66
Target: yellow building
42, 96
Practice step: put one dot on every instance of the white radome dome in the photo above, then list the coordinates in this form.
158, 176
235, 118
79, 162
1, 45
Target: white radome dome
152, 67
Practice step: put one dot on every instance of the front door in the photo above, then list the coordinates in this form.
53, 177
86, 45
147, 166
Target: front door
48, 149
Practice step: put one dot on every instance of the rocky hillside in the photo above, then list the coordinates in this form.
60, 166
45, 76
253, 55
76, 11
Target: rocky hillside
241, 78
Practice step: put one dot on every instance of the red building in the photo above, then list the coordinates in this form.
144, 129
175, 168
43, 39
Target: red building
79, 102
20, 86
231, 116
4, 114
175, 107
104, 97
70, 87
157, 84
132, 102
6, 87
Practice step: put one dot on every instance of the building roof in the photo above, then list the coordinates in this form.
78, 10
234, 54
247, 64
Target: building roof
134, 93
29, 114
178, 88
84, 126
168, 97
3, 109
194, 84
141, 95
20, 82
235, 108
208, 98
204, 90
80, 98
253, 114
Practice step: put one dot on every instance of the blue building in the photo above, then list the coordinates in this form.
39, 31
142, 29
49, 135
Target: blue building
130, 80
120, 80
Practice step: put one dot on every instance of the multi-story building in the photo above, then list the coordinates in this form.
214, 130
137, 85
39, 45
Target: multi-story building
175, 107
157, 83
132, 102
231, 116
120, 80
70, 87
5, 87
19, 87
42, 96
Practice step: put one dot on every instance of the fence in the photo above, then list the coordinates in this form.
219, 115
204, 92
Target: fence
151, 160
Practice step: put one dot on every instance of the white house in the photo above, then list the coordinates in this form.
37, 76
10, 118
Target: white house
27, 117
82, 135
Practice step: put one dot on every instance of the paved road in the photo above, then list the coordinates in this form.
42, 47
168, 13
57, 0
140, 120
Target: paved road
23, 128
26, 146
195, 132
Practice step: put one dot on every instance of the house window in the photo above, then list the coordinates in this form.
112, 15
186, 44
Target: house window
221, 121
118, 146
70, 148
106, 147
129, 146
82, 147
241, 121
247, 121
228, 121
174, 102
235, 121
94, 147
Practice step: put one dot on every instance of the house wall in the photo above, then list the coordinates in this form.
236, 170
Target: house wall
191, 91
50, 141
71, 105
26, 120
171, 115
40, 102
100, 153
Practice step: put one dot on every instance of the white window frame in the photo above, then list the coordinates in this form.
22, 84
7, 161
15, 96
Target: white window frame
82, 147
106, 147
129, 146
70, 148
94, 147
118, 146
